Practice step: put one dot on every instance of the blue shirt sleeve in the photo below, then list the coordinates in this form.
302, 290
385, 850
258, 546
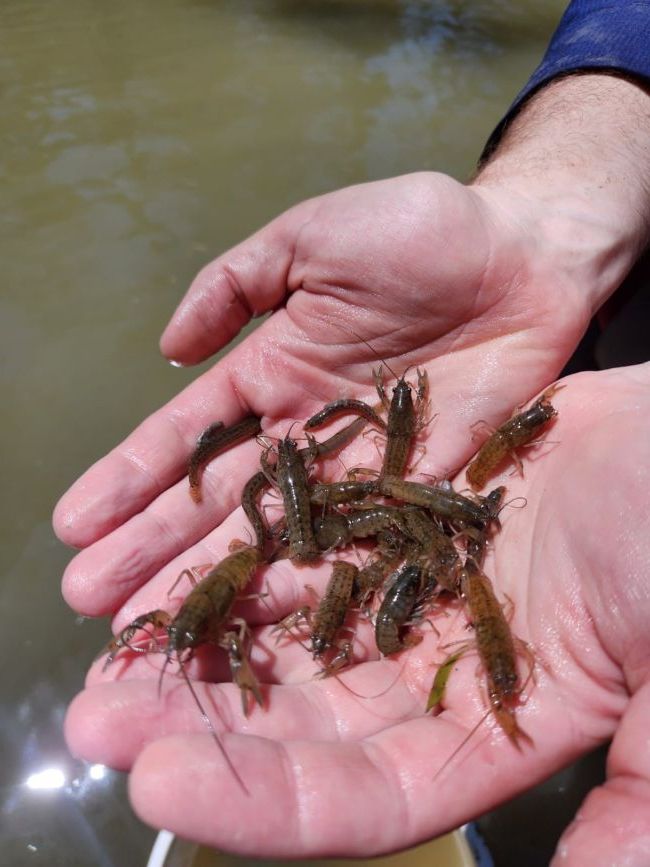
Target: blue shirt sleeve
612, 36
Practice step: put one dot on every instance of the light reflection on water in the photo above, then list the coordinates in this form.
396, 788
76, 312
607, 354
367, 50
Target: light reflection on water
139, 140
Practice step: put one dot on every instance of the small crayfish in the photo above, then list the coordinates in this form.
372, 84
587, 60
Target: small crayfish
513, 433
203, 619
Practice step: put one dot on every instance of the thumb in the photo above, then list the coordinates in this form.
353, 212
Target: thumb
244, 282
612, 827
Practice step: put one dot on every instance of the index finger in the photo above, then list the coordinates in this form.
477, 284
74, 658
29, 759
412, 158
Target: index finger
260, 377
151, 459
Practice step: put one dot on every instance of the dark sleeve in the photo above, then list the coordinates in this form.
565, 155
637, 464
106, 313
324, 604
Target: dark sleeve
612, 36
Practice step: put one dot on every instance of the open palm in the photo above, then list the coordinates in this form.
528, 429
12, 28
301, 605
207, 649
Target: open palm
331, 772
425, 270
431, 273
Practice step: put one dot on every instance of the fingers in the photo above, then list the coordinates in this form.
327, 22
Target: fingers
104, 575
155, 456
147, 462
174, 533
116, 720
245, 282
613, 824
314, 799
301, 796
611, 827
309, 798
112, 721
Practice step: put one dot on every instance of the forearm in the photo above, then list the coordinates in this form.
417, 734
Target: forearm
578, 156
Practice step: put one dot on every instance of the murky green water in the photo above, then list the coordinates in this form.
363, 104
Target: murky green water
139, 139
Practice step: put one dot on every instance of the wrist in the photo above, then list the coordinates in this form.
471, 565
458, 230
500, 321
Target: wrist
573, 168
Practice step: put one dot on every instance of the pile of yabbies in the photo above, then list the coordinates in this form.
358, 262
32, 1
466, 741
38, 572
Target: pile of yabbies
429, 541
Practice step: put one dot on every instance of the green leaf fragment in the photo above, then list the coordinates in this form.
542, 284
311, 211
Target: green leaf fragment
440, 681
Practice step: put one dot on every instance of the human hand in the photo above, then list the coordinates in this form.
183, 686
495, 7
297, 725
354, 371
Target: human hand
426, 270
332, 773
496, 282
490, 285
